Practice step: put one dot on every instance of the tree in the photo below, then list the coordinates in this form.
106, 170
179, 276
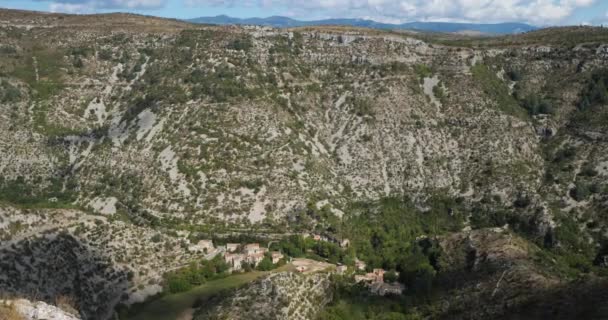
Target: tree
265, 264
391, 276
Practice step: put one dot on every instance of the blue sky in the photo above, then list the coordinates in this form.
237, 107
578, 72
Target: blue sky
538, 12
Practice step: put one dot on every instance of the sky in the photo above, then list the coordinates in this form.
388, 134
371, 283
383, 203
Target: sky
536, 12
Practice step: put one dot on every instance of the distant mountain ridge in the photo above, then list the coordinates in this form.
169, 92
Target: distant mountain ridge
285, 22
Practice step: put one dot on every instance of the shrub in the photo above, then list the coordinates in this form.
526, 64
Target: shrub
156, 238
580, 192
596, 92
536, 105
240, 44
514, 75
105, 54
8, 92
522, 201
265, 264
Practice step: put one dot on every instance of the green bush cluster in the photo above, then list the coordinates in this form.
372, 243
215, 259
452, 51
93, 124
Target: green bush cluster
535, 105
196, 274
220, 85
31, 193
241, 44
8, 92
596, 91
297, 246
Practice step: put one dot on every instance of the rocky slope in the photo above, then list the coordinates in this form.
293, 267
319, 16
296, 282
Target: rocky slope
128, 133
26, 310
285, 295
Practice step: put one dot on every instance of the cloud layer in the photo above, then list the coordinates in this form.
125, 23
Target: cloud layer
81, 6
540, 12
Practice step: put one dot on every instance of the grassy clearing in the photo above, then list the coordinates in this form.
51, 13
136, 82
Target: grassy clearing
172, 306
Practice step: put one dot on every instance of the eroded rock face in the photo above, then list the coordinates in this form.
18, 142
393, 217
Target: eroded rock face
281, 296
492, 273
41, 311
52, 266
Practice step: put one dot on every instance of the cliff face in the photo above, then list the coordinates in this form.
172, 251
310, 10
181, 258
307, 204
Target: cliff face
125, 129
56, 266
240, 125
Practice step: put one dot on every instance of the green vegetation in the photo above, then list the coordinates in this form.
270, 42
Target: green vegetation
362, 106
241, 44
423, 71
41, 70
382, 239
8, 92
355, 302
196, 274
173, 305
535, 105
220, 85
495, 89
37, 193
297, 246
284, 45
596, 91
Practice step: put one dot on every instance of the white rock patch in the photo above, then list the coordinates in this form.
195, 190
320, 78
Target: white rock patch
146, 121
104, 205
429, 85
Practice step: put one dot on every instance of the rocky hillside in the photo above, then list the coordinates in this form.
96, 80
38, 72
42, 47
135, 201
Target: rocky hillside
122, 136
285, 295
26, 310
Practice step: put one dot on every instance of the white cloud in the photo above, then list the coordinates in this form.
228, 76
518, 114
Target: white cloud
69, 8
81, 6
541, 12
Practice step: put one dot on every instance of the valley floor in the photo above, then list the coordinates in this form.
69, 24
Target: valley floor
174, 306
179, 306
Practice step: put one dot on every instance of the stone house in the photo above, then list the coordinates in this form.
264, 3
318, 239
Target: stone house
378, 274
360, 265
235, 260
254, 248
255, 258
232, 247
276, 257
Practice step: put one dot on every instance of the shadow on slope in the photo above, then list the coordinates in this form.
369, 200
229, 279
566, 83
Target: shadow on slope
57, 266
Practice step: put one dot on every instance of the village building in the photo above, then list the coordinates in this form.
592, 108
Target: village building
345, 243
255, 258
276, 257
254, 248
376, 276
232, 247
360, 265
362, 278
234, 260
